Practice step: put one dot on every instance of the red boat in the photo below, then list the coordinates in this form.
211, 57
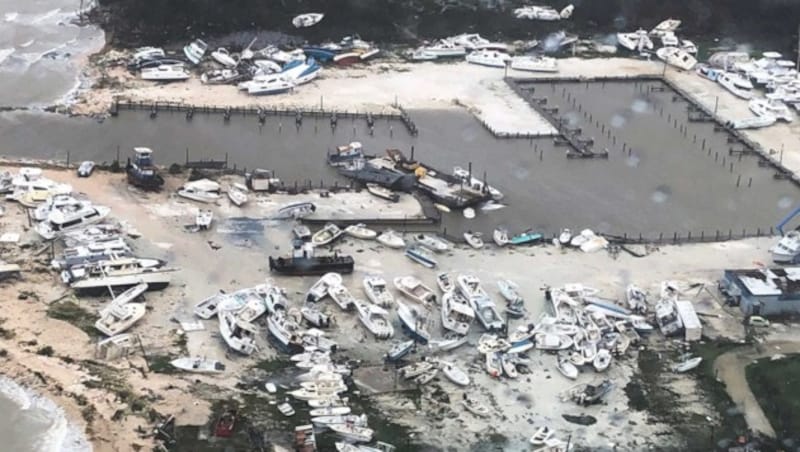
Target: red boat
226, 424
346, 59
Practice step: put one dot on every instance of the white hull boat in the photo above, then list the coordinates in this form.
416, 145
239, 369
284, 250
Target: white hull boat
223, 57
324, 421
165, 73
457, 315
454, 374
118, 318
768, 108
307, 20
360, 231
219, 77
315, 317
687, 365
375, 319
474, 239
269, 86
285, 331
500, 237
566, 367
414, 289
320, 288
534, 64
414, 320
470, 286
432, 242
195, 51
490, 58
203, 190
391, 239
475, 408
383, 193
330, 411
62, 221
237, 193
736, 84
552, 341
494, 365
420, 255
377, 291
240, 336
326, 235
544, 13
444, 282
636, 298
508, 289
677, 57
487, 313
198, 365
342, 297
353, 432
601, 360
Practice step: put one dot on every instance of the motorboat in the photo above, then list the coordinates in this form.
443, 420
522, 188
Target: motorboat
687, 365
54, 202
92, 252
668, 39
566, 13
565, 236
688, 46
636, 298
667, 318
457, 315
203, 190
773, 108
755, 122
71, 218
360, 231
426, 377
787, 249
320, 289
534, 63
432, 242
707, 72
566, 367
494, 365
286, 409
544, 13
500, 237
470, 286
252, 308
301, 232
665, 26
315, 356
677, 57
414, 320
307, 20
165, 73
33, 198
331, 411
399, 350
415, 289
326, 420
353, 432
208, 307
382, 192
487, 313
220, 77
203, 219
315, 317
269, 86
541, 436
476, 184
579, 240
416, 369
296, 210
237, 193
474, 407
391, 239
375, 319
421, 255
326, 235
474, 239
450, 341
377, 291
301, 72
444, 282
736, 84
601, 360
317, 394
552, 341
120, 315
198, 364
342, 297
474, 41
490, 58
223, 57
641, 325
273, 297
509, 290
347, 58
286, 332
440, 49
728, 60
346, 154
195, 51
239, 335
454, 373
509, 365
118, 273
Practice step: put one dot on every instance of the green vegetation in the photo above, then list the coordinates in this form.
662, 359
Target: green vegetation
71, 312
776, 386
4, 333
45, 351
273, 365
111, 380
160, 364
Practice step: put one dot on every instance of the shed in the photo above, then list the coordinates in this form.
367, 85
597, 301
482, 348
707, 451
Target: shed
692, 327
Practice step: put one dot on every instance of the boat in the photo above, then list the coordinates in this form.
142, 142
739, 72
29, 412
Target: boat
771, 108
375, 319
391, 239
220, 77
203, 190
223, 57
195, 51
508, 289
494, 365
490, 58
272, 297
500, 237
287, 333
444, 282
787, 249
756, 122
440, 49
474, 41
203, 219
534, 63
326, 420
377, 292
330, 411
487, 314
470, 286
566, 13
302, 73
414, 319
315, 317
474, 239
665, 26
119, 316
687, 365
353, 432
301, 232
382, 192
320, 288
545, 13
450, 341
465, 176
165, 73
304, 262
565, 236
566, 367
198, 364
141, 172
601, 360
237, 193
367, 172
525, 238
346, 154
225, 424
269, 86
737, 85
77, 217
240, 336
431, 242
253, 308
457, 315
33, 198
53, 202
640, 325
416, 369
454, 373
590, 394
400, 350
360, 231
426, 377
118, 273
91, 252
667, 318
322, 54
307, 20
342, 296
552, 341
541, 437
286, 409
636, 298
415, 289
509, 365
327, 401
677, 57
296, 210
347, 58
421, 255
474, 407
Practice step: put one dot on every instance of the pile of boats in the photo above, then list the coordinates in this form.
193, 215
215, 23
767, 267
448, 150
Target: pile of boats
673, 51
545, 13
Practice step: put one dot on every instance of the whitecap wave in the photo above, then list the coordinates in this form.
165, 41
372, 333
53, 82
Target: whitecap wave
5, 53
26, 44
10, 17
44, 17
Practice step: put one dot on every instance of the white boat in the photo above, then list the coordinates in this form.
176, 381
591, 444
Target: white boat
54, 202
636, 298
307, 20
487, 313
237, 193
566, 367
377, 291
545, 13
203, 219
414, 319
219, 76
253, 308
203, 190
286, 331
444, 282
451, 341
70, 219
500, 237
240, 336
509, 365
375, 319
457, 315
320, 288
353, 432
541, 436
326, 235
667, 318
426, 377
490, 58
552, 341
316, 356
325, 420
566, 13
391, 239
286, 409
165, 73
421, 255
565, 236
476, 184
432, 242
665, 26
601, 360
198, 365
534, 63
787, 249
441, 49
416, 369
668, 39
399, 350
330, 411
342, 296
582, 238
687, 365
677, 57
771, 108
274, 297
315, 317
755, 122
474, 41
736, 84
122, 272
640, 325
301, 232
474, 407
269, 86
117, 317
382, 192
454, 373
223, 57
689, 46
494, 365
415, 289
508, 289
360, 231
474, 239
470, 286
195, 50
326, 401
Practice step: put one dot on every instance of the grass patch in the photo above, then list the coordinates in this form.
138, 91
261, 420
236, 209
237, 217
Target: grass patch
70, 312
111, 379
4, 333
45, 351
160, 364
273, 365
776, 386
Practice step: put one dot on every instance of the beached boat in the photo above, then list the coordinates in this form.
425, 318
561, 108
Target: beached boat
391, 239
509, 290
534, 63
544, 13
476, 184
383, 192
566, 367
552, 341
330, 411
399, 350
326, 420
237, 193
240, 336
426, 377
494, 365
474, 407
509, 365
326, 235
432, 242
525, 238
119, 317
342, 297
421, 255
220, 77
637, 41
375, 319
64, 220
665, 26
470, 286
203, 190
208, 307
736, 84
224, 57
195, 50
320, 288
414, 321
787, 249
487, 313
415, 289
353, 432
457, 315
307, 20
315, 317
677, 57
454, 373
254, 307
301, 232
771, 108
203, 219
286, 331
444, 48
490, 58
687, 365
416, 369
269, 86
52, 203
636, 298
474, 239
360, 231
377, 291
198, 365
165, 73
304, 261
118, 273
444, 282
602, 360
500, 237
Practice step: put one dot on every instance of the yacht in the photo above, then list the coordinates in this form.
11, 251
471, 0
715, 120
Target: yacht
203, 190
457, 315
534, 63
195, 50
268, 86
491, 58
53, 203
787, 249
165, 73
223, 57
637, 41
123, 272
736, 84
677, 57
443, 49
70, 219
474, 41
545, 13
774, 108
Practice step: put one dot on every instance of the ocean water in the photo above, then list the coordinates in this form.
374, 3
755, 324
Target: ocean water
40, 51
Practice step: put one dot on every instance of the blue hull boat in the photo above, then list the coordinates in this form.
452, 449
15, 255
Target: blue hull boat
526, 238
320, 54
421, 257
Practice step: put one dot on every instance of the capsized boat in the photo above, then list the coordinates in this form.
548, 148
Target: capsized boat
377, 291
197, 364
415, 289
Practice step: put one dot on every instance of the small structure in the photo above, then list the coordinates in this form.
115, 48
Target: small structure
692, 328
763, 291
262, 180
141, 171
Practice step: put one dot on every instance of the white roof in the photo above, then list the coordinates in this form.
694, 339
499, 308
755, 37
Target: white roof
765, 285
687, 314
142, 150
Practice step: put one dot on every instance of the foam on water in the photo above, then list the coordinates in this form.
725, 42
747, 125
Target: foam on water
10, 17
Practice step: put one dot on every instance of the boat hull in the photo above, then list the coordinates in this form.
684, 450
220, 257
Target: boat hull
311, 265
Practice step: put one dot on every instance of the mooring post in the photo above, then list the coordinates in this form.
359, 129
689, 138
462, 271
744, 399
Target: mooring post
738, 179
750, 182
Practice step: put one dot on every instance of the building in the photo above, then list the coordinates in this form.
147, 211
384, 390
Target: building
763, 291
